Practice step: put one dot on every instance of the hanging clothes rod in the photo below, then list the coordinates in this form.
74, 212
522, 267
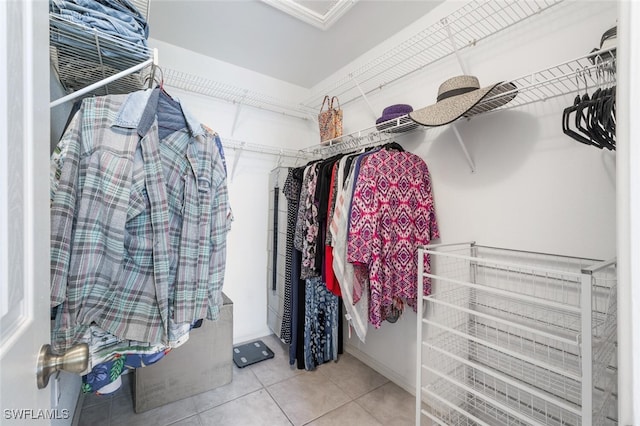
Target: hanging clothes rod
264, 149
100, 83
367, 137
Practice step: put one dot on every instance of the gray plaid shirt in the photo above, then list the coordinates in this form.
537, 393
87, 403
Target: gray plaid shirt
138, 224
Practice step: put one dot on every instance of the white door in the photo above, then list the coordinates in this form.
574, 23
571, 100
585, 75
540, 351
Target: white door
24, 208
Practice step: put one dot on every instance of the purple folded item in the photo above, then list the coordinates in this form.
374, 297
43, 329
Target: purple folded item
393, 112
397, 109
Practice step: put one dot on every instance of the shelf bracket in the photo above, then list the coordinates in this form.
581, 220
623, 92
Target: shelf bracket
279, 162
236, 159
445, 22
238, 107
464, 148
364, 96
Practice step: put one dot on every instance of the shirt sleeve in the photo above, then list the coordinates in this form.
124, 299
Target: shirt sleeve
363, 215
63, 210
220, 226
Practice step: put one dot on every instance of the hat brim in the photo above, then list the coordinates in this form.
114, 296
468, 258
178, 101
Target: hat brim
465, 105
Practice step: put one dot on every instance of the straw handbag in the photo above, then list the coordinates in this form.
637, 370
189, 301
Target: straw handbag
330, 120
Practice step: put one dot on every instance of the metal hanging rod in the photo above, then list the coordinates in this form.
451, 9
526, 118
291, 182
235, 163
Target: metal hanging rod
240, 147
234, 144
471, 23
233, 94
364, 138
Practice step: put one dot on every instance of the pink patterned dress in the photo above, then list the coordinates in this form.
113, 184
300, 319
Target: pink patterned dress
392, 214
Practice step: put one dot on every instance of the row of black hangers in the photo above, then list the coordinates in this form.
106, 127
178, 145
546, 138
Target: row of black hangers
591, 119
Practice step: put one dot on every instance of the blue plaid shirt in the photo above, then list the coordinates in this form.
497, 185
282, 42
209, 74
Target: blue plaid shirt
138, 224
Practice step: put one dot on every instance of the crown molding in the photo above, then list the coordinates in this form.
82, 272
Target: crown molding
312, 17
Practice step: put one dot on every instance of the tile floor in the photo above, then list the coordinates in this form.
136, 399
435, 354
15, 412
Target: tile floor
271, 393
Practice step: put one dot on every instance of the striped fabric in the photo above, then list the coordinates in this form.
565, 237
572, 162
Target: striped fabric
138, 224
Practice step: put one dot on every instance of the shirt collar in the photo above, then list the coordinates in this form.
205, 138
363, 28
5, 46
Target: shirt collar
140, 107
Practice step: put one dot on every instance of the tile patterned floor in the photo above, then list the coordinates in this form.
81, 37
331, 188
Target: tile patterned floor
271, 393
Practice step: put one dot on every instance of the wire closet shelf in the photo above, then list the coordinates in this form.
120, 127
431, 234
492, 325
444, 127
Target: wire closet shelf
513, 337
84, 58
576, 76
463, 28
234, 94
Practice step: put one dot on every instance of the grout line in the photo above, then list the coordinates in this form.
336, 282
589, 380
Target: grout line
278, 405
330, 411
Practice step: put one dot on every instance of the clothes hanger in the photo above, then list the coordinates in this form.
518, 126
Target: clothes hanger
598, 119
581, 119
566, 117
601, 116
393, 145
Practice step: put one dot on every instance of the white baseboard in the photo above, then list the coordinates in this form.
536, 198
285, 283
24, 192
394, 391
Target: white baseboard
252, 336
380, 368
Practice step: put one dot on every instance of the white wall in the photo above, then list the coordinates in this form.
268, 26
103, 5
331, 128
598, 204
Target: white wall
534, 188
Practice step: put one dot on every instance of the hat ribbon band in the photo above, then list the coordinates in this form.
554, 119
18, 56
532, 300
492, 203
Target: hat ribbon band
455, 92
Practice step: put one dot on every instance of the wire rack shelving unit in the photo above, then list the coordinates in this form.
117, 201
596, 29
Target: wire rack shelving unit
514, 337
90, 62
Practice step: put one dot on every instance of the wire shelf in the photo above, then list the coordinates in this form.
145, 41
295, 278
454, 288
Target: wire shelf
531, 335
451, 405
530, 277
517, 317
233, 94
498, 401
518, 365
370, 136
596, 69
82, 56
528, 349
468, 25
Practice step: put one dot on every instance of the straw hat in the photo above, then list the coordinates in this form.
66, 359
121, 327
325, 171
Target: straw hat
459, 96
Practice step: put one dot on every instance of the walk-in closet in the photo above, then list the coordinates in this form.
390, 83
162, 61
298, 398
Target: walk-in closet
352, 212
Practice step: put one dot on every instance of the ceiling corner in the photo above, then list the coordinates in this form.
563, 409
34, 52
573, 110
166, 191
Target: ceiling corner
320, 14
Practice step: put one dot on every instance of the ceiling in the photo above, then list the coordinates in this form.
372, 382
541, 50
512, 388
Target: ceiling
258, 36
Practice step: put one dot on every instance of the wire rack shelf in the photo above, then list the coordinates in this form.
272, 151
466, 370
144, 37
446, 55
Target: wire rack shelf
596, 69
553, 355
465, 396
463, 28
234, 94
82, 56
525, 337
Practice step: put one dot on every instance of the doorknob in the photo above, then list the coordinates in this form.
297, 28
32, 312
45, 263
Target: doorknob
75, 360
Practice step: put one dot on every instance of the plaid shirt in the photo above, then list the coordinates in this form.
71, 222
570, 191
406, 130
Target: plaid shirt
138, 225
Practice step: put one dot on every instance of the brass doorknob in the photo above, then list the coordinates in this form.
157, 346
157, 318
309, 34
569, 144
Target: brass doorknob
75, 360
